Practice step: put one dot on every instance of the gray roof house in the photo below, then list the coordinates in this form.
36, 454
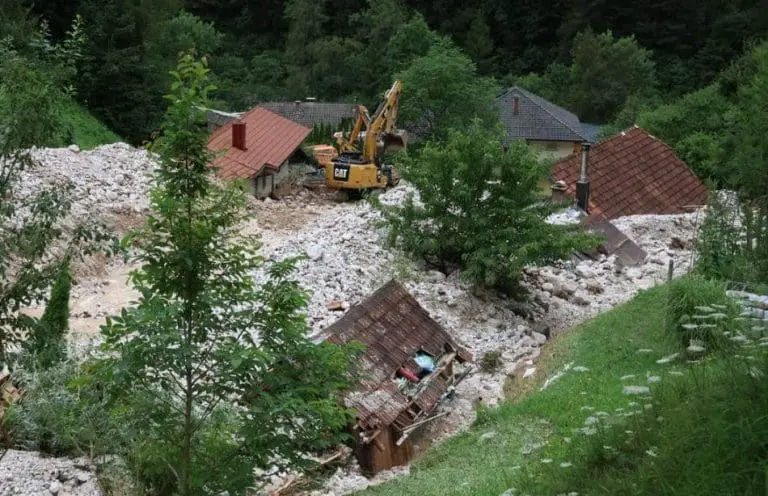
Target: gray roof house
542, 124
306, 113
309, 113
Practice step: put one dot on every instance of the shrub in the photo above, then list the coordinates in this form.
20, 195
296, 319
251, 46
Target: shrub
46, 343
62, 413
491, 362
699, 309
483, 214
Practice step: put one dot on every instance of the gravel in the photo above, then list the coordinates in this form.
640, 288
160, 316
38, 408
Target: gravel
27, 473
109, 180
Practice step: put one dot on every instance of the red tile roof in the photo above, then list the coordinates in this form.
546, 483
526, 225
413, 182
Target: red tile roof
633, 173
269, 138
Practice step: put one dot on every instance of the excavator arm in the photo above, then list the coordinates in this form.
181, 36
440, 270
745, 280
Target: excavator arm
381, 133
349, 143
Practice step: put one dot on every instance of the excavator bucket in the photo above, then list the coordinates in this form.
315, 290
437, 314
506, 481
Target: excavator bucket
392, 142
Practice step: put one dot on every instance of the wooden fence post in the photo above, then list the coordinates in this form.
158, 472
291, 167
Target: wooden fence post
670, 270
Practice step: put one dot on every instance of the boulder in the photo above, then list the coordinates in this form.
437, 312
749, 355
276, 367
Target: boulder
315, 252
594, 286
564, 290
580, 300
584, 272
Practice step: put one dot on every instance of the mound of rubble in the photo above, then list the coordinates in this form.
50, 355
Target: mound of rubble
347, 260
26, 473
109, 180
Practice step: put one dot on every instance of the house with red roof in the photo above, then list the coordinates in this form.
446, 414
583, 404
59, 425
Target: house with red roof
632, 173
261, 147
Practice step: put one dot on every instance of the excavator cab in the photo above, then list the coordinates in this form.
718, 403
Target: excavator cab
360, 166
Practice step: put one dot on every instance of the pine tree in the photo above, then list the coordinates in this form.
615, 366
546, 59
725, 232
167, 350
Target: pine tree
46, 345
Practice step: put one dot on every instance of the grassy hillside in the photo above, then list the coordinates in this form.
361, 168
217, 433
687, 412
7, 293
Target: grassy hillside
87, 131
701, 429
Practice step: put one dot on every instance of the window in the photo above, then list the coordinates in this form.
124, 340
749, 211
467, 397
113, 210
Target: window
551, 146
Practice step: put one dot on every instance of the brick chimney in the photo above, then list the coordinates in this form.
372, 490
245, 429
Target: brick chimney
516, 106
582, 185
238, 135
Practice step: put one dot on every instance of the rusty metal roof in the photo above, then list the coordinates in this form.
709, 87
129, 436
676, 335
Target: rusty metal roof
616, 242
393, 327
269, 139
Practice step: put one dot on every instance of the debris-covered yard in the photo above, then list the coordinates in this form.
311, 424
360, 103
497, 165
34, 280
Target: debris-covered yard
347, 260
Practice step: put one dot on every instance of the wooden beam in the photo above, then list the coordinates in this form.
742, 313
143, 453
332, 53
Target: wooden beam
368, 439
412, 427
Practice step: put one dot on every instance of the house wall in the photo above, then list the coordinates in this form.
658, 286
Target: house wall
554, 149
383, 453
262, 185
265, 183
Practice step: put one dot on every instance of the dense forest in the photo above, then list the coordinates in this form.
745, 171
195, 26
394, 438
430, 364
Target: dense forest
654, 50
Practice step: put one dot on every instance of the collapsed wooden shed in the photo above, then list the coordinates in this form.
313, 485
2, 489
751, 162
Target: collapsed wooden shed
401, 341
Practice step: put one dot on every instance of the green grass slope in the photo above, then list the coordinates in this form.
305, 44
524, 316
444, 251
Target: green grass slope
87, 131
701, 429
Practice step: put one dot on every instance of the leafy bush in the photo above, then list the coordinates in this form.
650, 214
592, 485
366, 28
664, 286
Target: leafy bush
732, 243
718, 247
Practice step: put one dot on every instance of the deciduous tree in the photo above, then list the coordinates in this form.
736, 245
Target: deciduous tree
442, 90
478, 209
221, 369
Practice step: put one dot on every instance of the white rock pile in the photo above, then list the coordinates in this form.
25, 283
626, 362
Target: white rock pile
29, 474
111, 179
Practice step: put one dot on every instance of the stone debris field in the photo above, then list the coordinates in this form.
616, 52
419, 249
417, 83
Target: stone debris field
347, 259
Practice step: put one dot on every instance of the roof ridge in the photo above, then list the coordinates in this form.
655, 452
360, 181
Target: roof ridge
527, 94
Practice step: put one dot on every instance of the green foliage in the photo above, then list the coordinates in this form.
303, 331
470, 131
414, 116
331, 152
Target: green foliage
64, 413
606, 71
46, 343
554, 84
203, 335
491, 362
31, 91
482, 213
411, 40
87, 131
751, 126
719, 253
689, 310
696, 127
442, 90
322, 134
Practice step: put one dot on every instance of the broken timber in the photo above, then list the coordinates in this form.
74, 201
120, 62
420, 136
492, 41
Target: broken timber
395, 393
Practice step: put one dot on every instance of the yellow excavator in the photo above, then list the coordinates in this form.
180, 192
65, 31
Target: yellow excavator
355, 169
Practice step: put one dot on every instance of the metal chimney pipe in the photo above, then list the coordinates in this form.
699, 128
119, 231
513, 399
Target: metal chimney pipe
582, 185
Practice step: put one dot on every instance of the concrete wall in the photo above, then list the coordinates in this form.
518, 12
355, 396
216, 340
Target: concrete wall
755, 313
553, 149
267, 182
